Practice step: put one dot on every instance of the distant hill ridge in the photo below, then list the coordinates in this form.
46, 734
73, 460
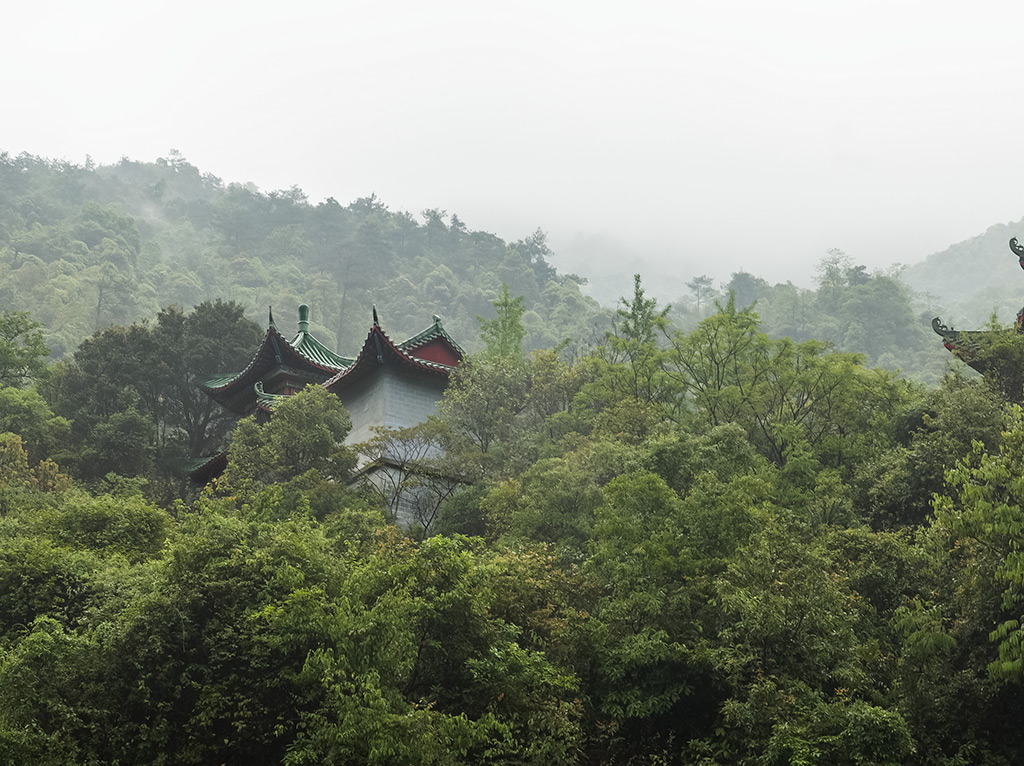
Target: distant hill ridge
87, 247
966, 268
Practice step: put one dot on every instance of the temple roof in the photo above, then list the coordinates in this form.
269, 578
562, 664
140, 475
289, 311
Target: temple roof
964, 345
201, 470
432, 350
423, 353
434, 332
303, 354
304, 358
967, 345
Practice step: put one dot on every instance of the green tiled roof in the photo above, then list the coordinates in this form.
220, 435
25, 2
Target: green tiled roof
264, 399
194, 464
303, 344
317, 352
436, 330
217, 381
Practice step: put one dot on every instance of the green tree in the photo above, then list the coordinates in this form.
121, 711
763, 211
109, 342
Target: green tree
702, 290
747, 288
627, 373
23, 353
139, 384
833, 273
795, 660
984, 509
306, 433
933, 433
786, 395
503, 336
191, 347
484, 400
25, 413
637, 552
636, 340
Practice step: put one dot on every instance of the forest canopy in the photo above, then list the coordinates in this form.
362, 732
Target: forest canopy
655, 534
83, 248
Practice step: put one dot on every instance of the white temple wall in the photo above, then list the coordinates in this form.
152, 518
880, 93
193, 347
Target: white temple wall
365, 403
390, 398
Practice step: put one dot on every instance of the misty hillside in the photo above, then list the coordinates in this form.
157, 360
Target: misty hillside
88, 247
969, 280
84, 248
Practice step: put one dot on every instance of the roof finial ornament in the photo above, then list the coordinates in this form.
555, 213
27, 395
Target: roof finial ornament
1018, 250
303, 318
376, 322
437, 319
270, 310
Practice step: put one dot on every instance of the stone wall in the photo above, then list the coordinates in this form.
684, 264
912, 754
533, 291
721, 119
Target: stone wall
394, 399
391, 398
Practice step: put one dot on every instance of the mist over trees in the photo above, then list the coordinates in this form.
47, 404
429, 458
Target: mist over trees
718, 532
84, 248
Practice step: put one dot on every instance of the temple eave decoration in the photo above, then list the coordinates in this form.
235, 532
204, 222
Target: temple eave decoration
963, 345
379, 349
967, 345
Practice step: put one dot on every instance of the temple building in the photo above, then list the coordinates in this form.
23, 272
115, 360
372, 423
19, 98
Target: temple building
386, 384
395, 385
970, 345
280, 367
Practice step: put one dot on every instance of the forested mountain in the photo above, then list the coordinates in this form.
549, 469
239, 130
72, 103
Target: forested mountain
84, 248
87, 247
695, 534
970, 280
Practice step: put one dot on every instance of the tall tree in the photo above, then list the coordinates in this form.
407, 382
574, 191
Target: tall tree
306, 433
833, 273
22, 350
637, 369
191, 347
140, 383
701, 287
503, 335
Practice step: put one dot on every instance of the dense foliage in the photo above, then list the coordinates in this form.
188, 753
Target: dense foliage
694, 547
82, 248
687, 541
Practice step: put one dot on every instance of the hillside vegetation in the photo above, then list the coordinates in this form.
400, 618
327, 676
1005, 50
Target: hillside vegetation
683, 539
83, 248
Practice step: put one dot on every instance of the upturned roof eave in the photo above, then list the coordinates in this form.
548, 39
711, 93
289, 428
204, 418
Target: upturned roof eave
434, 332
270, 354
367, 358
317, 353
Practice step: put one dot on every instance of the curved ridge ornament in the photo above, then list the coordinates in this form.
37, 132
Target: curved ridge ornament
944, 330
968, 345
1017, 248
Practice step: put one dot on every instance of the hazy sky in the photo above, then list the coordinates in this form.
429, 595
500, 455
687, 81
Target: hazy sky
711, 136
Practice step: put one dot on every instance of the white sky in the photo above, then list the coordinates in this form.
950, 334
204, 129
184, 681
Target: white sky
706, 136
